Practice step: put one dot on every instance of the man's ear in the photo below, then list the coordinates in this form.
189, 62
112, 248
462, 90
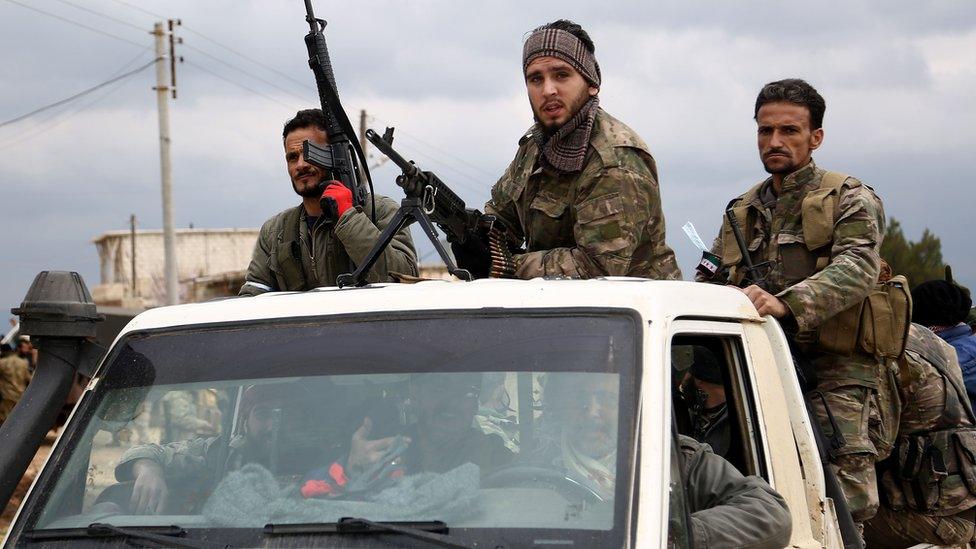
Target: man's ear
593, 91
816, 139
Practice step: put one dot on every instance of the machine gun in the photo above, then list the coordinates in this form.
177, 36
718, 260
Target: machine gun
343, 158
428, 200
806, 375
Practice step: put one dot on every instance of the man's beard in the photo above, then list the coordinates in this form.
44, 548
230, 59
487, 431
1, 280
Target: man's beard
786, 169
310, 192
573, 107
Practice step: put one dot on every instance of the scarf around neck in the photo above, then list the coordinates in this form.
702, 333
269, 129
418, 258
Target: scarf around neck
565, 150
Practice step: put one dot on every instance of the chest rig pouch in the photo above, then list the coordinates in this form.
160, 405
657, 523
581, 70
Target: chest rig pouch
935, 472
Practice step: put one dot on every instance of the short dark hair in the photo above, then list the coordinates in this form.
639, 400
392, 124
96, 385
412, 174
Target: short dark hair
571, 28
308, 118
796, 91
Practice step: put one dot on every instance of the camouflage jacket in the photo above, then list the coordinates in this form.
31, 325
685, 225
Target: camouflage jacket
328, 251
931, 469
928, 399
195, 459
819, 283
604, 220
729, 509
14, 377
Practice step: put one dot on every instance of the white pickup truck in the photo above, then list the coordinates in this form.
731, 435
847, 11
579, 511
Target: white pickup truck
340, 369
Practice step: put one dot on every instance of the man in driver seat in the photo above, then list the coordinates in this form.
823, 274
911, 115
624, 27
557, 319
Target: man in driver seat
579, 437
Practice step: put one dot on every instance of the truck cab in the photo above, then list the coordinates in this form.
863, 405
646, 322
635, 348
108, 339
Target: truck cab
386, 413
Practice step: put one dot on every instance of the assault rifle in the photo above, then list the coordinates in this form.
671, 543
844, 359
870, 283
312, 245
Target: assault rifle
342, 159
806, 375
428, 201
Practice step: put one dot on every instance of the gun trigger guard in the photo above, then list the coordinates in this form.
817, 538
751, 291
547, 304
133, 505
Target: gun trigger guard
429, 193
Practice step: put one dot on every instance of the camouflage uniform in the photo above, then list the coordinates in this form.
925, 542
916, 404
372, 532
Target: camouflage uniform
727, 508
816, 285
930, 404
14, 377
604, 220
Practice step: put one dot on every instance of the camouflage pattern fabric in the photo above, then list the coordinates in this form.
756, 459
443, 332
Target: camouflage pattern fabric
816, 285
187, 459
775, 235
604, 220
865, 414
902, 529
14, 377
930, 404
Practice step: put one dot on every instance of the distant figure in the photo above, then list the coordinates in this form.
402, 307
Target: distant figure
298, 249
942, 306
15, 374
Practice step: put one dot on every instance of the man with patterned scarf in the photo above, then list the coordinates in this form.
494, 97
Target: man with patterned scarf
582, 193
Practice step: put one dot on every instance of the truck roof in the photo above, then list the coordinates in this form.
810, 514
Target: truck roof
655, 300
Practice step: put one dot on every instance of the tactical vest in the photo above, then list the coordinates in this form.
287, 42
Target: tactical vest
879, 324
935, 472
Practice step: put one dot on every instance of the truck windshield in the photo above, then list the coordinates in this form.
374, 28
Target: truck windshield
502, 427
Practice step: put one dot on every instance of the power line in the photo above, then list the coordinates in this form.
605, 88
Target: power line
103, 15
238, 84
20, 139
137, 8
73, 22
41, 129
245, 72
222, 45
438, 149
251, 59
77, 95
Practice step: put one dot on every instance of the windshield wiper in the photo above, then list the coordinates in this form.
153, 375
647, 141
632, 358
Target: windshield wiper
167, 536
434, 532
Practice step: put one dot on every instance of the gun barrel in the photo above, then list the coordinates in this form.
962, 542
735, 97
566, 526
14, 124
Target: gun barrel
310, 16
408, 169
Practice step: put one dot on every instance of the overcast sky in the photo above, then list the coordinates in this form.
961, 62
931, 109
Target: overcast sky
898, 77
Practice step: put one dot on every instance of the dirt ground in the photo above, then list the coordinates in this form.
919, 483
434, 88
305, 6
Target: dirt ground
25, 482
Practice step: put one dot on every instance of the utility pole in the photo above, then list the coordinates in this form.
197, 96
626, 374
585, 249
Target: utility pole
132, 249
362, 131
162, 101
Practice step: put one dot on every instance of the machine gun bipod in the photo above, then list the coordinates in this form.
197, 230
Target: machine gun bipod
428, 201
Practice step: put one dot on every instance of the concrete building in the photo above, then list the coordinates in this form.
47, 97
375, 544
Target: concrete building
211, 263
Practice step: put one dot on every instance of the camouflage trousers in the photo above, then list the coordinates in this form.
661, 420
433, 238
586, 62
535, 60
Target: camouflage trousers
899, 529
860, 426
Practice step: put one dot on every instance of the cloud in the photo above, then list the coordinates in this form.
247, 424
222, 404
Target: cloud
897, 80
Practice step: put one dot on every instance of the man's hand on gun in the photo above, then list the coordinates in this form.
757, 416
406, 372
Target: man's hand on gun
340, 194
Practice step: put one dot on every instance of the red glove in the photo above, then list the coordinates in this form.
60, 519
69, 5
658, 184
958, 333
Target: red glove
341, 194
